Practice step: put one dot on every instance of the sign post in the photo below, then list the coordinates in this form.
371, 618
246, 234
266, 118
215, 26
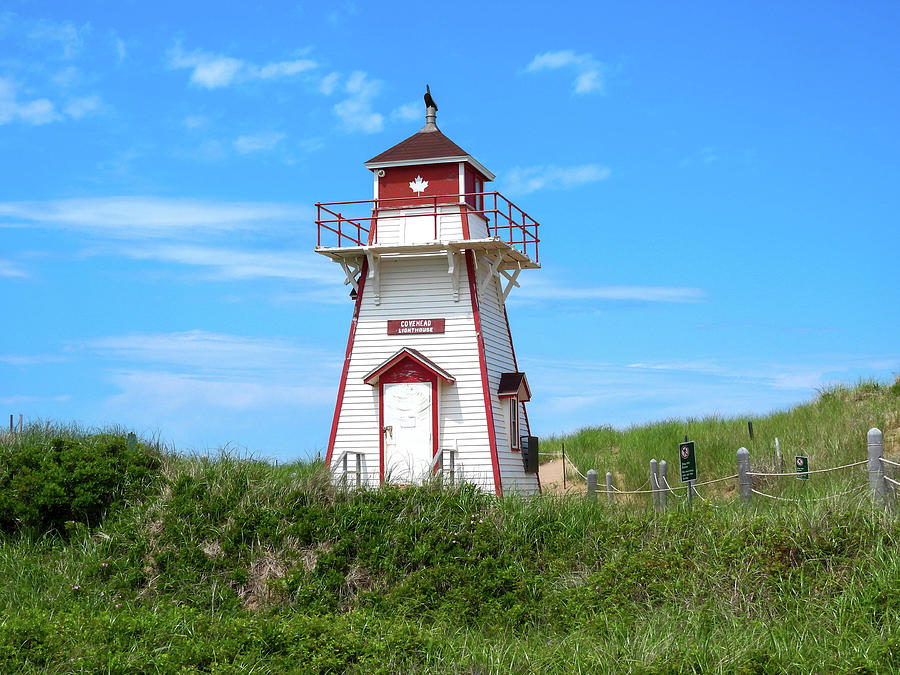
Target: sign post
802, 464
688, 464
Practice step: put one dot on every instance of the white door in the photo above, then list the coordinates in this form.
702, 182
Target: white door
408, 447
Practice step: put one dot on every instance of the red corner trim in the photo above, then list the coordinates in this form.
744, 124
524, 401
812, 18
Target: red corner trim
516, 365
340, 395
488, 410
381, 433
464, 216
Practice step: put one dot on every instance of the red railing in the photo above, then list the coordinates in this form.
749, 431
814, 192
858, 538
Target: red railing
503, 218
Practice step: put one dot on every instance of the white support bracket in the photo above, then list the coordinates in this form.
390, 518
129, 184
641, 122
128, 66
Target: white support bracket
453, 271
492, 270
351, 271
511, 280
374, 276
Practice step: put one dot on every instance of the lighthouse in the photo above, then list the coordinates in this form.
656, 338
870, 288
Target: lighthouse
430, 385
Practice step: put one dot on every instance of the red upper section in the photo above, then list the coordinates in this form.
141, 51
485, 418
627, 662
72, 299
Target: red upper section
443, 179
423, 145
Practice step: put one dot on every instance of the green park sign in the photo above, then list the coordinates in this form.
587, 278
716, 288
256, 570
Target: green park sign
688, 461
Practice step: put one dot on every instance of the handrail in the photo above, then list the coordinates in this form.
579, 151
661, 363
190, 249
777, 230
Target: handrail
505, 220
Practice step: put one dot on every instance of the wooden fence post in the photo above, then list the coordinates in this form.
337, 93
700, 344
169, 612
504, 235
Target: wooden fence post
779, 464
880, 489
609, 491
654, 484
664, 484
744, 479
592, 485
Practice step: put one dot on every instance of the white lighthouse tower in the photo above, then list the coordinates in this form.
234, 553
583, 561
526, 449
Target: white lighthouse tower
430, 383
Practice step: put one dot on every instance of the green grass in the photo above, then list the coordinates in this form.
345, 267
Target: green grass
232, 565
831, 431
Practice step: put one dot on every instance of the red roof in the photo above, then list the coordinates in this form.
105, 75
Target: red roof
408, 353
422, 145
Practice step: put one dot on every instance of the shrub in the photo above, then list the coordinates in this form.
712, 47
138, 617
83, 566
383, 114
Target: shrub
47, 481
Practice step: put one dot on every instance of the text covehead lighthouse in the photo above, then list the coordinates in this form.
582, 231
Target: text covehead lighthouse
430, 382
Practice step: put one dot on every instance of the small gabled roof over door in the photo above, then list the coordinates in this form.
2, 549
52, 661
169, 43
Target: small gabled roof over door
408, 353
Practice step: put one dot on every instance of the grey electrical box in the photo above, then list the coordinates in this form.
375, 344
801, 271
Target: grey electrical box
530, 453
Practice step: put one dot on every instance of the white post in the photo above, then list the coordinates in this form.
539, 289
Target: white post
654, 484
609, 490
592, 485
779, 464
664, 482
744, 480
877, 482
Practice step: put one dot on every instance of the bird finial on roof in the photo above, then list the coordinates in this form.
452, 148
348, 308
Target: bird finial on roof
430, 111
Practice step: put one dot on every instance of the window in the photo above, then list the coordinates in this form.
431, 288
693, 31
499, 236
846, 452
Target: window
513, 423
479, 198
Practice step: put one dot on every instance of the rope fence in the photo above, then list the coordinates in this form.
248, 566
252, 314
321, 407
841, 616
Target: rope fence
882, 484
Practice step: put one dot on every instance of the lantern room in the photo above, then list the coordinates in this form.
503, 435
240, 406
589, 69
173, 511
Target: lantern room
430, 387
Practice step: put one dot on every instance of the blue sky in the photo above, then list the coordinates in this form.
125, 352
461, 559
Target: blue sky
717, 187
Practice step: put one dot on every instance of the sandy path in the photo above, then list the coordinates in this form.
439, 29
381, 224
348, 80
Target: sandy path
551, 474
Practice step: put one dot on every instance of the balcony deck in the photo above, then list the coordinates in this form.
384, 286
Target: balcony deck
439, 223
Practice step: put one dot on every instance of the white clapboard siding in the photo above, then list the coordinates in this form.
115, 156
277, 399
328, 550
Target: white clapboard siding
416, 226
418, 287
499, 358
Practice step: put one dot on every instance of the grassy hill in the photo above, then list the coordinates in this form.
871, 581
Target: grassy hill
143, 561
830, 430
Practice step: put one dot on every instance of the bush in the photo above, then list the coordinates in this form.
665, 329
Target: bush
47, 481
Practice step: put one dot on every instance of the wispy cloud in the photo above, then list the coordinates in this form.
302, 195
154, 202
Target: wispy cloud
82, 106
588, 71
149, 217
539, 290
408, 112
11, 270
703, 156
35, 112
31, 359
67, 36
523, 180
329, 83
258, 142
212, 71
355, 111
209, 352
205, 371
229, 264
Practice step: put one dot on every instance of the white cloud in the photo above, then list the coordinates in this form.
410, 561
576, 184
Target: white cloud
229, 264
151, 217
68, 36
121, 49
409, 112
35, 112
588, 71
31, 359
10, 270
538, 290
283, 69
705, 156
85, 105
194, 121
205, 371
204, 351
258, 142
329, 83
212, 71
355, 111
522, 181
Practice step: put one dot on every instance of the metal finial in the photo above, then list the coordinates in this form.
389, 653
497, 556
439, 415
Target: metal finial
430, 111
